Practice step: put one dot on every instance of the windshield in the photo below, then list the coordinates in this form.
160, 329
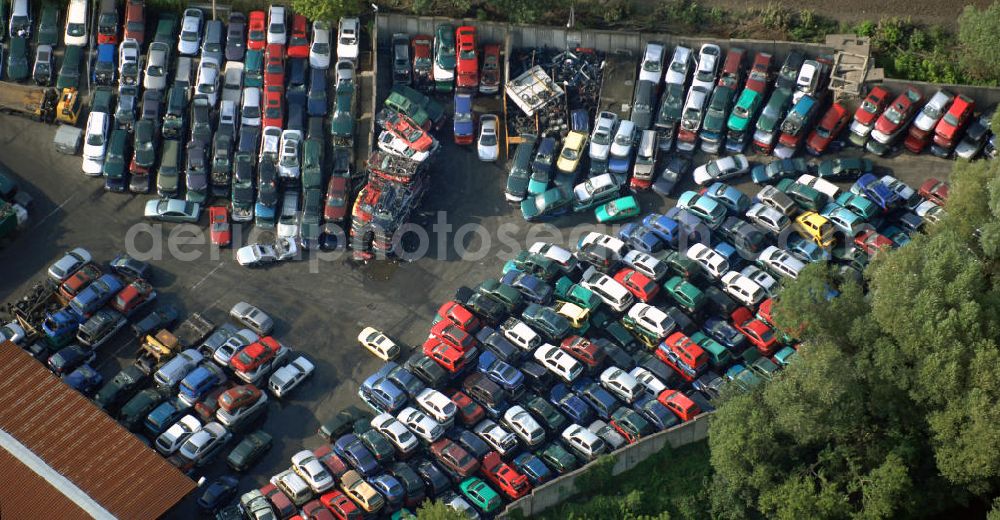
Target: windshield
868, 106
277, 28
741, 111
347, 40
189, 36
95, 140
951, 119
251, 112
75, 29
469, 54
932, 112
678, 66
713, 168
623, 140
894, 115
569, 154
651, 66
321, 48
489, 140
822, 132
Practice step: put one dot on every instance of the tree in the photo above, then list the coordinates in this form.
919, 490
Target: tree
438, 510
329, 10
979, 33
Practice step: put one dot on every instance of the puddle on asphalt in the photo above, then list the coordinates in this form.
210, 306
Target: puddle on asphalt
378, 270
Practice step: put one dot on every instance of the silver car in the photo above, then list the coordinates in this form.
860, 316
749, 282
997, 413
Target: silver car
235, 342
69, 263
190, 40
524, 425
254, 318
500, 439
203, 445
156, 66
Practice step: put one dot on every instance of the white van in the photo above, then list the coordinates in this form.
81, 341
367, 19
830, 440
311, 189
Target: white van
745, 290
171, 373
293, 487
76, 23
607, 289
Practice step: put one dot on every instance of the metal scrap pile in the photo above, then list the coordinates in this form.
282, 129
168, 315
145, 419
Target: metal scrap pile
577, 72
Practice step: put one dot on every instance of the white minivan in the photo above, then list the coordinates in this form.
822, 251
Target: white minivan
76, 23
607, 289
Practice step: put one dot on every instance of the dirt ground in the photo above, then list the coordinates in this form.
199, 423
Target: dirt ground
942, 12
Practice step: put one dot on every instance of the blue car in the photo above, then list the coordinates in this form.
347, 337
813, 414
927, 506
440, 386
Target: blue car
689, 225
390, 488
200, 382
533, 288
641, 238
84, 380
96, 295
720, 330
357, 455
167, 413
869, 187
807, 250
67, 359
508, 377
596, 396
532, 467
653, 411
571, 404
733, 199
382, 394
316, 102
471, 442
730, 253
61, 324
495, 342
665, 227
464, 128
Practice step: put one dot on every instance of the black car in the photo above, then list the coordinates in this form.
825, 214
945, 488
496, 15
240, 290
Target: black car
295, 109
684, 322
436, 481
120, 388
218, 492
675, 169
720, 302
620, 337
316, 103
414, 486
426, 369
748, 240
496, 343
152, 105
342, 423
617, 355
129, 267
236, 36
710, 383
536, 377
297, 72
69, 358
161, 318
488, 309
470, 442
702, 400
601, 257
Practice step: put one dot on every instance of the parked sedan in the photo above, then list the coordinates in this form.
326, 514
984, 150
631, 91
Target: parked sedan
173, 210
721, 169
69, 264
488, 145
258, 254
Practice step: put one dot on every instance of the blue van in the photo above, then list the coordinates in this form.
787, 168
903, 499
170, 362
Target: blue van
96, 295
200, 382
665, 227
464, 126
61, 326
104, 68
579, 121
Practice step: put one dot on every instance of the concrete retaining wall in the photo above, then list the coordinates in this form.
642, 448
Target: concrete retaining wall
626, 458
984, 96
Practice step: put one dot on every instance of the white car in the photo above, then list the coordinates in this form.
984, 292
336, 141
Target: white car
190, 41
651, 68
708, 65
379, 344
768, 218
721, 169
677, 71
12, 332
622, 384
745, 290
498, 438
594, 186
95, 143
805, 83
319, 49
420, 424
899, 187
438, 406
128, 61
396, 432
270, 143
557, 254
347, 39
584, 442
172, 439
559, 362
76, 23
524, 425
819, 184
208, 81
781, 262
250, 111
601, 239
709, 260
204, 443
761, 278
520, 334
289, 166
648, 380
307, 466
488, 145
651, 319
283, 249
232, 345
933, 110
232, 82
286, 378
607, 289
156, 66
600, 138
276, 29
621, 145
69, 264
646, 264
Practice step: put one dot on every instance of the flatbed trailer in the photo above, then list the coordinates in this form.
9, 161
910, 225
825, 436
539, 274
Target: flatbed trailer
28, 100
618, 84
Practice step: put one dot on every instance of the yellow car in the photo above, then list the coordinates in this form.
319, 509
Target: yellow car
576, 315
815, 227
572, 150
378, 344
361, 492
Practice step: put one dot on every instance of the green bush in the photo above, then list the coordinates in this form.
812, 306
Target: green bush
979, 34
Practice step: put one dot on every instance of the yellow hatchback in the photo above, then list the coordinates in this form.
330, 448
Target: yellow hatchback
572, 150
361, 492
815, 227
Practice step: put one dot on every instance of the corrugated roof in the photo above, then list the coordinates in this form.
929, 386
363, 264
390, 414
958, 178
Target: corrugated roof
81, 442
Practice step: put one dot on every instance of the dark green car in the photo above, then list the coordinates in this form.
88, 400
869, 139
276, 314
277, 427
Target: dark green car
806, 197
48, 25
168, 174
552, 202
253, 71
547, 321
137, 408
678, 263
844, 168
535, 264
547, 415
342, 422
630, 424
379, 446
505, 294
557, 458
249, 450
17, 59
312, 164
114, 161
69, 72
481, 494
687, 295
567, 291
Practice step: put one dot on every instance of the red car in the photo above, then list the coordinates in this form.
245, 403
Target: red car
760, 73
953, 121
871, 107
135, 21
509, 480
298, 41
583, 350
133, 296
274, 106
897, 116
341, 506
469, 411
283, 507
404, 128
686, 357
682, 406
333, 463
218, 225
252, 356
449, 357
78, 281
274, 66
453, 335
239, 397
640, 285
755, 330
454, 457
827, 130
209, 404
764, 311
420, 47
935, 191
455, 313
467, 66
315, 510
870, 241
489, 77
257, 31
335, 208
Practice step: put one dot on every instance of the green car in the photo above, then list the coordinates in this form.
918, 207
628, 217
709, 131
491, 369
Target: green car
48, 25
765, 368
567, 291
554, 201
633, 425
444, 57
138, 407
806, 197
481, 494
718, 356
114, 161
69, 72
399, 102
547, 414
249, 450
686, 294
844, 168
312, 164
17, 59
557, 458
858, 204
618, 209
535, 264
786, 356
744, 111
679, 263
505, 294
253, 71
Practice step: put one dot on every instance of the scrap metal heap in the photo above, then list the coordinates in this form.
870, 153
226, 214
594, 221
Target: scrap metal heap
576, 75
